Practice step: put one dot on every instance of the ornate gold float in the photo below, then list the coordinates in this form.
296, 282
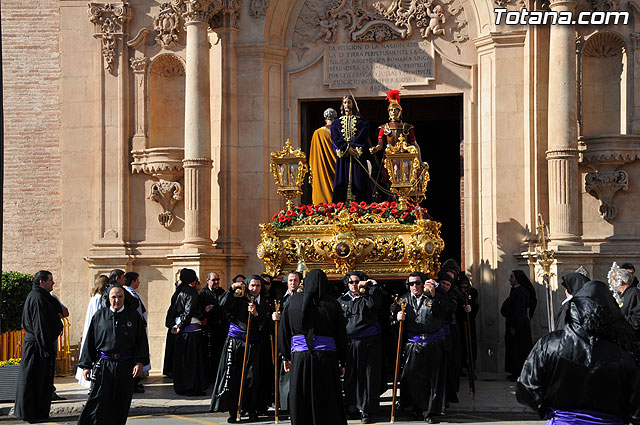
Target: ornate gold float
381, 239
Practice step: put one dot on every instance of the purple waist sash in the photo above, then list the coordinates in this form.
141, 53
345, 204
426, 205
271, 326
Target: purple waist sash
191, 327
436, 336
583, 417
320, 343
236, 332
116, 357
369, 331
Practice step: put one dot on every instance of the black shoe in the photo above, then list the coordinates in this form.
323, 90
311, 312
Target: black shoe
231, 420
253, 417
56, 397
431, 420
366, 419
138, 389
512, 378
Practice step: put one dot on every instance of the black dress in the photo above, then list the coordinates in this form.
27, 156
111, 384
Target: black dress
517, 337
35, 380
122, 339
316, 396
188, 344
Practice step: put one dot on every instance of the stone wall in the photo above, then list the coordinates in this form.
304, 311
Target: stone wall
32, 160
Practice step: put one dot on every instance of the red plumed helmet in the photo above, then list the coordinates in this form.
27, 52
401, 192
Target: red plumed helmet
393, 96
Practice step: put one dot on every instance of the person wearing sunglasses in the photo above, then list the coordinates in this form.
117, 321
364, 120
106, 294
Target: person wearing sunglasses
422, 383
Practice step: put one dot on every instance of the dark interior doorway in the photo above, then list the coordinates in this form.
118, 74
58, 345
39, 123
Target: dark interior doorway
437, 122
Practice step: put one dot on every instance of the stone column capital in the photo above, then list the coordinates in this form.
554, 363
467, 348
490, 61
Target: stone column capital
197, 11
563, 5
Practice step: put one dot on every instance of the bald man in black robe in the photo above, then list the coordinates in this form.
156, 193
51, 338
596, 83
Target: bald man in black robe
114, 352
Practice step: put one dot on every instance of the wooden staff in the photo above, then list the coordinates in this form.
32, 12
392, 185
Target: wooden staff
275, 365
403, 305
244, 361
471, 369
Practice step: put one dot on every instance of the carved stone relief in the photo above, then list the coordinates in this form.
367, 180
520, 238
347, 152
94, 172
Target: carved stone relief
167, 194
258, 8
166, 25
604, 5
603, 185
330, 21
168, 66
109, 20
603, 45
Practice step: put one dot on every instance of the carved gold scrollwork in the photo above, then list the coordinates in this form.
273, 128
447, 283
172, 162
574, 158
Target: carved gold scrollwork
110, 20
389, 248
270, 250
424, 246
167, 194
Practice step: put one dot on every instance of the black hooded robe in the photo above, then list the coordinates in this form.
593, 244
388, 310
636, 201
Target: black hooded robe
122, 336
316, 396
42, 324
573, 282
583, 368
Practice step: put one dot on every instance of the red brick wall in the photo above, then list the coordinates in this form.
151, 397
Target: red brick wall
32, 162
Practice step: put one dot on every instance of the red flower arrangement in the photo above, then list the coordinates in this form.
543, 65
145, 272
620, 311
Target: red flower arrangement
297, 215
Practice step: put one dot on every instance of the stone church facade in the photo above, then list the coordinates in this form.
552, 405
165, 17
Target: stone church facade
137, 134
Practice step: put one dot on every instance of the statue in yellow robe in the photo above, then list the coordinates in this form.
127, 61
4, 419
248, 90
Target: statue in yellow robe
322, 159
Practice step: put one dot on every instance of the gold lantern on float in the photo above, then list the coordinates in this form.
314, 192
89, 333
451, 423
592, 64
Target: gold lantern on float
403, 165
289, 169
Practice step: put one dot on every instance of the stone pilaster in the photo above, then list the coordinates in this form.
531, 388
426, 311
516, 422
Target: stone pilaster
562, 153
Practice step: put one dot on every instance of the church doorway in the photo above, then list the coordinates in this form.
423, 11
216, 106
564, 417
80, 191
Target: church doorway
437, 122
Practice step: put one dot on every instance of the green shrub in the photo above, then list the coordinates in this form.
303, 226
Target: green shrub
15, 288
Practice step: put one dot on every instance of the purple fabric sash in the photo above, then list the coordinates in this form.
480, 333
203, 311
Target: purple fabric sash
116, 357
236, 332
370, 331
191, 327
583, 417
436, 336
320, 343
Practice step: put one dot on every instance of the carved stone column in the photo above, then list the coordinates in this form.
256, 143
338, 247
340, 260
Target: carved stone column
226, 24
562, 154
197, 130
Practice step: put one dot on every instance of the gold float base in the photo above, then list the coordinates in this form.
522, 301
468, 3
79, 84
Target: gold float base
381, 247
